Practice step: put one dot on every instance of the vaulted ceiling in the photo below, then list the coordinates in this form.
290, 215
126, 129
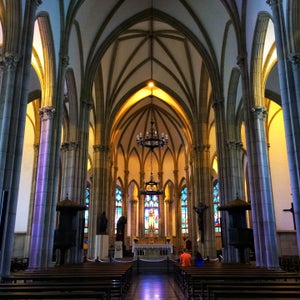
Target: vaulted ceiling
189, 48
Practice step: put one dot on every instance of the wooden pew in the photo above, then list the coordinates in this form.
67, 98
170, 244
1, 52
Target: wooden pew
193, 280
256, 294
213, 290
105, 280
53, 295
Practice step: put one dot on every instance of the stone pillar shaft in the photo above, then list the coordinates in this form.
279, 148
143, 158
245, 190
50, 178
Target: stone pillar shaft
289, 88
39, 236
263, 204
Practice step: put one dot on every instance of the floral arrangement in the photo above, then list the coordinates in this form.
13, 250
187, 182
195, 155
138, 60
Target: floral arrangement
136, 239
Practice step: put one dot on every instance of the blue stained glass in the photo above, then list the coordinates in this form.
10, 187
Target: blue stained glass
86, 212
151, 214
184, 211
118, 208
216, 201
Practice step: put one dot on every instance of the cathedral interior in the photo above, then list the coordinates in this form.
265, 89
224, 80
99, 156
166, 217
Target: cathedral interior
179, 117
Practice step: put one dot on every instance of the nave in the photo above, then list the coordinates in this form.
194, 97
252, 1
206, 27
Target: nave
143, 280
154, 287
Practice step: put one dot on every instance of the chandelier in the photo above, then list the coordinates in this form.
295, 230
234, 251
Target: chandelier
152, 139
151, 188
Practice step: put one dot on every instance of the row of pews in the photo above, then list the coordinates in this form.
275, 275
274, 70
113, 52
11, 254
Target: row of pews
79, 281
229, 281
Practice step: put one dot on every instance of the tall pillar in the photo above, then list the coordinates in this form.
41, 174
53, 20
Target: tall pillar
295, 168
42, 205
235, 168
162, 228
68, 158
68, 190
289, 89
134, 219
125, 201
202, 171
31, 204
167, 218
229, 252
263, 204
7, 151
99, 199
141, 207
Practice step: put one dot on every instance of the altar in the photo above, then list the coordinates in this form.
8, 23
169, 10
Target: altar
152, 251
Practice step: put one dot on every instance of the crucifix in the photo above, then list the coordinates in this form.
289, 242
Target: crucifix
292, 211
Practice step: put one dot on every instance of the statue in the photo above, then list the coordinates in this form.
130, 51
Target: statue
121, 225
200, 210
103, 224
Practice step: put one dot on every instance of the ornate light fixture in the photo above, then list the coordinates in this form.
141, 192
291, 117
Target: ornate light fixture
152, 139
151, 188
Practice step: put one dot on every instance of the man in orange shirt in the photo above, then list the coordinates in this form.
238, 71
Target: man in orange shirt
185, 259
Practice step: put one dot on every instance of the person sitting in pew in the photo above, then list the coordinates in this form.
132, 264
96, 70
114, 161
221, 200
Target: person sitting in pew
185, 259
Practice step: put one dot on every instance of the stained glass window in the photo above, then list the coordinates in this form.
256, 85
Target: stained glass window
184, 211
151, 214
118, 209
86, 212
216, 201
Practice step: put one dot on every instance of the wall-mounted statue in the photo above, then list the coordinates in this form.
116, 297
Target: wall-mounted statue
200, 211
103, 224
121, 225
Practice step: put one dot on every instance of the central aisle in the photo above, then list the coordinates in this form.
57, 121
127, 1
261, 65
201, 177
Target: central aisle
154, 287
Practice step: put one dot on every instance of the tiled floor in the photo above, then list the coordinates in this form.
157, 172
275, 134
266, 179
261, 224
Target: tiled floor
153, 287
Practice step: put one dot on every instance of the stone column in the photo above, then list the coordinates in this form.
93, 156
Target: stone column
125, 200
235, 171
31, 204
263, 204
206, 245
234, 174
289, 88
13, 98
167, 218
295, 166
162, 231
134, 218
100, 196
141, 207
229, 253
42, 205
8, 135
68, 169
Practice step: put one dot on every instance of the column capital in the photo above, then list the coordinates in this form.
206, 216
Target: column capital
64, 60
36, 3
294, 59
273, 3
101, 148
69, 146
241, 60
46, 113
259, 112
217, 103
202, 148
134, 201
234, 145
89, 104
36, 147
10, 60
